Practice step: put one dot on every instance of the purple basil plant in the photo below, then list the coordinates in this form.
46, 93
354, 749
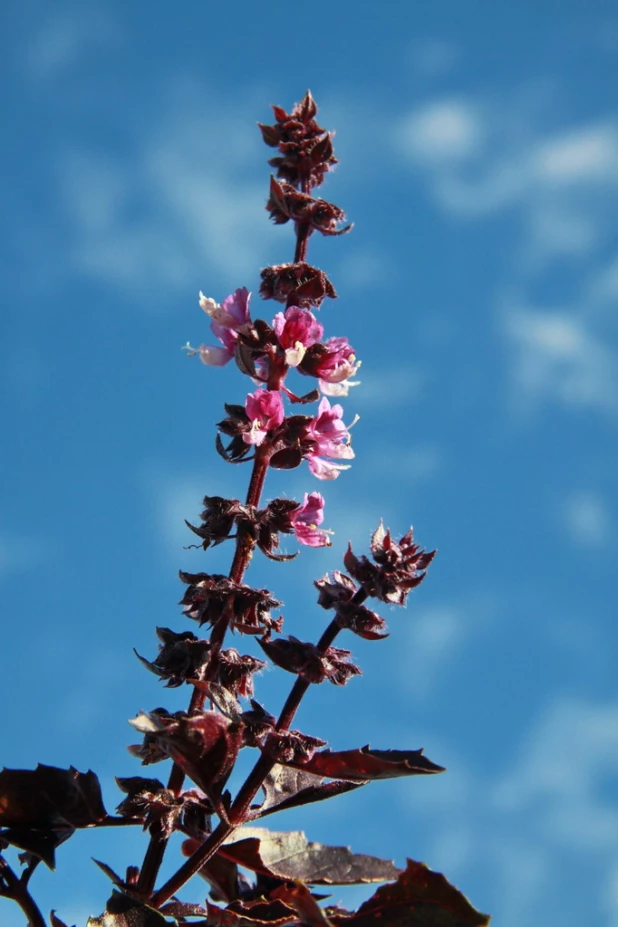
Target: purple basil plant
225, 837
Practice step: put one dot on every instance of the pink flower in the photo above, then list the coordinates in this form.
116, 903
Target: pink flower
296, 329
336, 367
228, 319
265, 410
333, 362
331, 438
306, 518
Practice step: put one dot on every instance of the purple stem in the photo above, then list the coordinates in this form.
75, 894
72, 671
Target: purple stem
242, 555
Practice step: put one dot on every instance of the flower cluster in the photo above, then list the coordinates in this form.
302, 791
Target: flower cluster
267, 352
294, 339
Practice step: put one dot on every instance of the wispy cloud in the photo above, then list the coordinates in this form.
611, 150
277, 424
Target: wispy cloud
550, 813
564, 761
434, 638
438, 634
179, 497
481, 159
442, 134
171, 201
587, 519
556, 357
66, 39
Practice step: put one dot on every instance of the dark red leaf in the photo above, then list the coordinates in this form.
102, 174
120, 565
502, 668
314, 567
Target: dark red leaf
55, 921
287, 787
222, 876
39, 843
365, 763
303, 902
204, 745
306, 660
109, 872
287, 459
49, 798
289, 855
419, 898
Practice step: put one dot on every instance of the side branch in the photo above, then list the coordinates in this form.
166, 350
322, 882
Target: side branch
17, 889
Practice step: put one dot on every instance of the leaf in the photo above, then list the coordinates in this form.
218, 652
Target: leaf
204, 745
122, 911
40, 843
364, 764
250, 914
222, 876
109, 872
42, 807
49, 798
288, 787
55, 921
289, 855
419, 898
305, 905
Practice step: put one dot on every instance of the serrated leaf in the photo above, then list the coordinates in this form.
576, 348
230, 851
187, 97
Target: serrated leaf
289, 855
50, 798
41, 808
419, 898
109, 872
288, 787
366, 764
300, 898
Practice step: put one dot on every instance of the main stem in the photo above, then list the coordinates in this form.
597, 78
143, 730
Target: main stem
242, 802
242, 555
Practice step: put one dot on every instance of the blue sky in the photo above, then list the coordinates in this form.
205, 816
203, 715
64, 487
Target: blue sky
479, 162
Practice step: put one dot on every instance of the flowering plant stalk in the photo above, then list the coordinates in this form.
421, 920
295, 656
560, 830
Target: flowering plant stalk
224, 833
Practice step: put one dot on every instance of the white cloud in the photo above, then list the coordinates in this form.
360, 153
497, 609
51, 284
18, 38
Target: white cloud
66, 39
587, 519
177, 202
177, 498
442, 133
564, 761
550, 813
434, 636
481, 159
587, 155
556, 357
